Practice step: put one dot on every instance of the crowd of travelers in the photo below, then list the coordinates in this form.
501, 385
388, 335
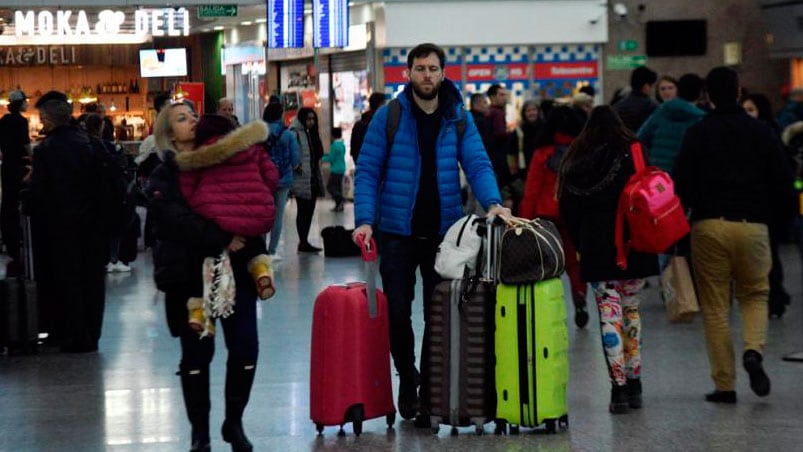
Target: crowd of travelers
215, 189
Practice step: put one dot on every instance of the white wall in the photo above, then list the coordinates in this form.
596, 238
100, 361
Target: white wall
494, 22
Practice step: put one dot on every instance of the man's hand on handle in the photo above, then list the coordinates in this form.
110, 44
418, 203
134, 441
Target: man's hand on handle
364, 230
497, 210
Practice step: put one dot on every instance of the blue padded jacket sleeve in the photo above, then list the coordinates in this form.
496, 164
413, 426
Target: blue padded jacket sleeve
373, 155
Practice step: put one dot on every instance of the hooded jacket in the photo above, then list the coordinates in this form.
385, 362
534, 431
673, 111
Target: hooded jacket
388, 174
283, 152
540, 198
303, 180
231, 180
664, 130
589, 199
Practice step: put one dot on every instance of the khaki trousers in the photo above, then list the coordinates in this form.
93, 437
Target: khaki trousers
724, 251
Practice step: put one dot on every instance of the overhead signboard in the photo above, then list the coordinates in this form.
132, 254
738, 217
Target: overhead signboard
217, 11
285, 24
108, 26
330, 23
625, 62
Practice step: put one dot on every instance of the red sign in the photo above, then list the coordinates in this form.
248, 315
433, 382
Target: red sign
558, 70
193, 92
496, 72
397, 75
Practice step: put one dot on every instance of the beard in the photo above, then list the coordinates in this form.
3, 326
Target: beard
427, 95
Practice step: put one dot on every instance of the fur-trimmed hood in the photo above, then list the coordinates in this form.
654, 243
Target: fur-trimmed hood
226, 147
791, 132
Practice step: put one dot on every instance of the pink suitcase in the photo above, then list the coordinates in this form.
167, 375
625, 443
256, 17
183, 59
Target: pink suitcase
350, 368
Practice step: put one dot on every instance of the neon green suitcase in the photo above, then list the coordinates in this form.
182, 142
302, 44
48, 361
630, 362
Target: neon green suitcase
532, 362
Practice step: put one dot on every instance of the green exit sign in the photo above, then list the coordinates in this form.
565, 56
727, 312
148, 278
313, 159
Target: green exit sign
628, 45
217, 11
625, 62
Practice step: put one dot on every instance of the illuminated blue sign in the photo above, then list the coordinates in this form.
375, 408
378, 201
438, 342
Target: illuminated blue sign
330, 23
285, 23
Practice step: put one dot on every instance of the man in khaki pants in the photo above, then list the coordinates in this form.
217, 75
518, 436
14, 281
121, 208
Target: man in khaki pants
732, 174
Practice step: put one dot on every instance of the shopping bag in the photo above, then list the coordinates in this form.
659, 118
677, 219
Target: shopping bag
677, 289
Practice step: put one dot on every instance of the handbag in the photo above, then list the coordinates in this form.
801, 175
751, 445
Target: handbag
677, 289
219, 288
458, 251
531, 251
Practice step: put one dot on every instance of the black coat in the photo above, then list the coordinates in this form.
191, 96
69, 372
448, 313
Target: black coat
731, 165
61, 190
588, 201
183, 240
635, 109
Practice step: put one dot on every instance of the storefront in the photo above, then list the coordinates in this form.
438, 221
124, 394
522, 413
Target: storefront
94, 54
500, 42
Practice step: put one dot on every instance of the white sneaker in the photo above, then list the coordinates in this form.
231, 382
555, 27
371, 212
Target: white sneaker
110, 268
121, 267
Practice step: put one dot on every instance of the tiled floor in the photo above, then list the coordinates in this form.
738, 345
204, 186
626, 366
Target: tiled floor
127, 396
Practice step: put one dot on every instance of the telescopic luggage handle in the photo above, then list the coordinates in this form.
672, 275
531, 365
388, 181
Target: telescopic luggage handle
370, 254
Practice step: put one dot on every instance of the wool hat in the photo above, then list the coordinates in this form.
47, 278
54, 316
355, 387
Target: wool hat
273, 112
51, 95
212, 126
16, 95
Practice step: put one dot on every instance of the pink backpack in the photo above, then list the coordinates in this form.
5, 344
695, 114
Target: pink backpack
655, 218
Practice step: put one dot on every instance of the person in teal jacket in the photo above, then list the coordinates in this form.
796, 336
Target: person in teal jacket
337, 161
408, 186
664, 130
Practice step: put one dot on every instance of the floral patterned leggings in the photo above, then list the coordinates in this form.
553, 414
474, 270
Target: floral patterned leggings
618, 305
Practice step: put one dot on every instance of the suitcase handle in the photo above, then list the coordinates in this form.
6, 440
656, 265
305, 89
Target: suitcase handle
370, 254
368, 250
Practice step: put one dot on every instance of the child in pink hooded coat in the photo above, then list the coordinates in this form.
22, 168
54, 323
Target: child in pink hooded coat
230, 179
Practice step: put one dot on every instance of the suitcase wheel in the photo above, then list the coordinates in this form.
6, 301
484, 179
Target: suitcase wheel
319, 429
453, 432
501, 428
341, 432
551, 426
564, 421
391, 419
514, 429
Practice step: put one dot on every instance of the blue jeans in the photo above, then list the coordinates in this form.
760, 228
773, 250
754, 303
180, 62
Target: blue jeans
400, 257
280, 200
239, 329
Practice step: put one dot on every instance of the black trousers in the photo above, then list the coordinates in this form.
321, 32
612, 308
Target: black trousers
400, 258
10, 219
306, 209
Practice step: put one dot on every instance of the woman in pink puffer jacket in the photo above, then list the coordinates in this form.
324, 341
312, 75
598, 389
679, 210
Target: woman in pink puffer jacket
230, 179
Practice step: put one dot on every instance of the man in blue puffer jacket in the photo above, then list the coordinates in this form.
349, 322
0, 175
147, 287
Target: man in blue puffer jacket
414, 183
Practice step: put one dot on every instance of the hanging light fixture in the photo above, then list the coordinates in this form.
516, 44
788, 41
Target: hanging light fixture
87, 97
4, 98
112, 107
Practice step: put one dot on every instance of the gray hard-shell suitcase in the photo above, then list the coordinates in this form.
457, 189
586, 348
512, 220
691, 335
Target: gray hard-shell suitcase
19, 301
460, 322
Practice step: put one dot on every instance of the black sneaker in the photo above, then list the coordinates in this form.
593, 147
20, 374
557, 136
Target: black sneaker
307, 248
422, 421
721, 397
759, 381
618, 403
634, 393
408, 398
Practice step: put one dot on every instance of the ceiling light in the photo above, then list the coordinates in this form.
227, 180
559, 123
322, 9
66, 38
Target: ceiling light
261, 21
204, 30
246, 22
218, 28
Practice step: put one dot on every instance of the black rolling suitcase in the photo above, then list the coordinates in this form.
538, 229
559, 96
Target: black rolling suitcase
460, 321
19, 301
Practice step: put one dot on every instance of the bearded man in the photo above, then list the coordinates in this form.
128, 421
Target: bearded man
413, 181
